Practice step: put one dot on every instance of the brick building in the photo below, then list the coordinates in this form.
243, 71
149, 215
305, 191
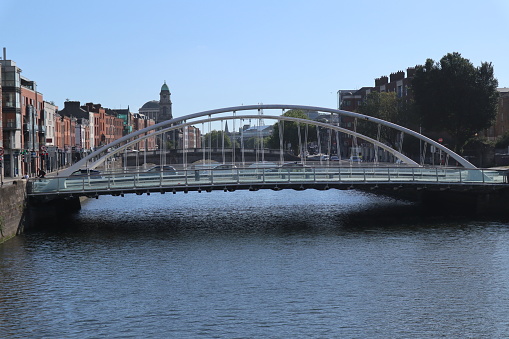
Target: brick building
140, 122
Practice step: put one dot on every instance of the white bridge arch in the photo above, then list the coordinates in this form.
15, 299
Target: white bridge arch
99, 156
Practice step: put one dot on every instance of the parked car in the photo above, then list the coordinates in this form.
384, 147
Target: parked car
263, 166
355, 158
85, 172
225, 167
219, 169
334, 158
317, 157
162, 168
158, 170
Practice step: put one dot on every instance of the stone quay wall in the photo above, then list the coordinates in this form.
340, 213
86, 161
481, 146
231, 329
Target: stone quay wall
12, 208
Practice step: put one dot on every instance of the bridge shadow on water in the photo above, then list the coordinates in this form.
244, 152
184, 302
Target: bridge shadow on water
255, 213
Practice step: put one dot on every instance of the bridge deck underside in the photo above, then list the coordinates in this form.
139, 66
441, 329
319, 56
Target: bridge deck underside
301, 178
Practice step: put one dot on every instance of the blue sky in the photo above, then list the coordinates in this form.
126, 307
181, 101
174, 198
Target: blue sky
220, 53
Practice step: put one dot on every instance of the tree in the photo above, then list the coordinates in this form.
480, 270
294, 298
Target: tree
388, 107
213, 139
256, 142
454, 96
291, 132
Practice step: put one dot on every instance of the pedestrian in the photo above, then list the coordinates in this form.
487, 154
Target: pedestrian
41, 173
25, 176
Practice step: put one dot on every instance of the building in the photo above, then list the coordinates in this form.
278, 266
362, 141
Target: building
256, 131
32, 105
51, 151
12, 136
140, 122
159, 110
192, 137
501, 124
114, 128
126, 116
1, 131
78, 140
97, 117
165, 112
150, 109
65, 136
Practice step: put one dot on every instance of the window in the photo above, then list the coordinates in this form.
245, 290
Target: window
11, 99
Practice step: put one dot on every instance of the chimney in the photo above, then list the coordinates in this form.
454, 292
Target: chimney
5, 53
400, 75
410, 72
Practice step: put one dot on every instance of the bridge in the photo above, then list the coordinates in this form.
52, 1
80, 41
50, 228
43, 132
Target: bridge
126, 166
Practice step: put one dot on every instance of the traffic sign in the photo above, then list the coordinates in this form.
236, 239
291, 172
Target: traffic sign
440, 140
43, 148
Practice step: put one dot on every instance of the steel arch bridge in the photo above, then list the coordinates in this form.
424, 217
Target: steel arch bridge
118, 168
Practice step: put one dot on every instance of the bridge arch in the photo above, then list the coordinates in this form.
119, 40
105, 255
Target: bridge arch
207, 116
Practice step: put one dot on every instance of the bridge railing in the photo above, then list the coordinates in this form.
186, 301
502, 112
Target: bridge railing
208, 178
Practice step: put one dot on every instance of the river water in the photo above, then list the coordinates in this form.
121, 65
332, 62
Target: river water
288, 264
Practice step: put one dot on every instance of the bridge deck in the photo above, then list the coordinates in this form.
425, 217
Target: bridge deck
279, 178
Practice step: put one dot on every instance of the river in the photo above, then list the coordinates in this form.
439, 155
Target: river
288, 264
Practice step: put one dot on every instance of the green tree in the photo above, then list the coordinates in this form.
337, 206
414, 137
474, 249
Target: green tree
503, 141
291, 132
213, 139
386, 106
256, 142
454, 96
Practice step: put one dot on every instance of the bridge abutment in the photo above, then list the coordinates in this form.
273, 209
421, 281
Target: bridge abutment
52, 213
12, 209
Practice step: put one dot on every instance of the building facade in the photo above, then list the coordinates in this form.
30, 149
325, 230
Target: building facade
501, 124
11, 117
140, 122
159, 110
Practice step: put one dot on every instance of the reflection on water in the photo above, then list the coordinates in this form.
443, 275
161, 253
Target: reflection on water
257, 264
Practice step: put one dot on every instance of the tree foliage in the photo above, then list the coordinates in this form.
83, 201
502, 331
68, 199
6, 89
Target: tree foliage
388, 107
213, 139
291, 133
256, 142
503, 141
454, 96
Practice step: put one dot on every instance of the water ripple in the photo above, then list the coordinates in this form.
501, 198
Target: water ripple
256, 264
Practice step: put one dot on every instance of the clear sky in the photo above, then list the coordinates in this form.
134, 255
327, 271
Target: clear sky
219, 53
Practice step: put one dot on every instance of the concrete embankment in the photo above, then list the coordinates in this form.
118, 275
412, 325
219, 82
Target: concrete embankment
12, 208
